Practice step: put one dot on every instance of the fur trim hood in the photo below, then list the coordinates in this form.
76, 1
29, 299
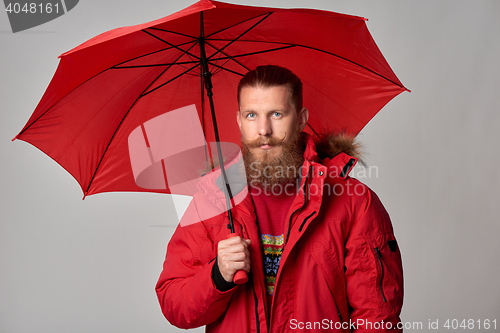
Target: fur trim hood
330, 145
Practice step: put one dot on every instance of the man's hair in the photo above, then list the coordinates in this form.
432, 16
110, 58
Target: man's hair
273, 76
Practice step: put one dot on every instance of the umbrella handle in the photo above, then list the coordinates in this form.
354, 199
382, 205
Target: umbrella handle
240, 277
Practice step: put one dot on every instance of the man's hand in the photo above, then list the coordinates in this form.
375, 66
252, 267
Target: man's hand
232, 256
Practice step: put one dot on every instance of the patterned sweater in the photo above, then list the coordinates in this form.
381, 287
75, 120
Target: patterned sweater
271, 211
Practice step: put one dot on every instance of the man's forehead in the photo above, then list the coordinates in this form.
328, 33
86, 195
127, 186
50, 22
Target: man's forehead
273, 96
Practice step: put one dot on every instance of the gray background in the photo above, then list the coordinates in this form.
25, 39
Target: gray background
68, 265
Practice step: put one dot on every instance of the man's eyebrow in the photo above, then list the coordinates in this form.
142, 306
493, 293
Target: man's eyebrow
280, 110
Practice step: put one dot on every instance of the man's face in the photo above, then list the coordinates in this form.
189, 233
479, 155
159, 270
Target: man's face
267, 119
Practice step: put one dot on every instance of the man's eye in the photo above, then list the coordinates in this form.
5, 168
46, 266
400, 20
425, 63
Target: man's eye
251, 115
277, 114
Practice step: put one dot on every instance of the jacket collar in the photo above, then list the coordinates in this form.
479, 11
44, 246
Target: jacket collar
314, 172
339, 163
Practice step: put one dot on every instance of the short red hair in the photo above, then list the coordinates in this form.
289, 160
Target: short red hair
272, 76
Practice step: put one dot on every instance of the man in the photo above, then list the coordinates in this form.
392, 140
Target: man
318, 246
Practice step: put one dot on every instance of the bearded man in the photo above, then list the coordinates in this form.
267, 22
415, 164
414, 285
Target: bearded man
318, 246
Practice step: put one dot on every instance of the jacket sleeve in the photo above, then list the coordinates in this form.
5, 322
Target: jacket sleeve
185, 289
374, 271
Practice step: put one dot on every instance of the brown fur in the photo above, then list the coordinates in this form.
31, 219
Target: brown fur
330, 145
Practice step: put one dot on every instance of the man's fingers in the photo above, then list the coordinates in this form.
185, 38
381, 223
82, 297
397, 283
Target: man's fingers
229, 264
234, 248
229, 269
234, 256
234, 265
233, 241
234, 244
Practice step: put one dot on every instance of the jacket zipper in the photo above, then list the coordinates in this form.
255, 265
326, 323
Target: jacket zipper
379, 256
257, 322
305, 220
295, 211
291, 216
340, 316
256, 299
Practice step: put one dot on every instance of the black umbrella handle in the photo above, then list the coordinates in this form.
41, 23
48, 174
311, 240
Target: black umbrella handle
207, 78
239, 277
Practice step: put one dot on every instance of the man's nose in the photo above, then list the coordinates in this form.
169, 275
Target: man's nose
265, 127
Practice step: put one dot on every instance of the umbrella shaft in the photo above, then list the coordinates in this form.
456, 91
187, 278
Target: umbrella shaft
207, 78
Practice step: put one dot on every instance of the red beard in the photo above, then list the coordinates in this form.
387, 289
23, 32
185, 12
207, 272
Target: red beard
270, 171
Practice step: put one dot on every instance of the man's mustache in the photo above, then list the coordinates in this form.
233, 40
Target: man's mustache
264, 140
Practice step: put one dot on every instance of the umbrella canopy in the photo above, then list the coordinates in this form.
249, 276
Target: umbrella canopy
108, 86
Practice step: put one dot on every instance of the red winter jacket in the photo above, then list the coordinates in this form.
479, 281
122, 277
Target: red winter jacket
340, 269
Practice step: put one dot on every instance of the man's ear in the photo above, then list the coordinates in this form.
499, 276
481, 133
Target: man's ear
303, 117
238, 119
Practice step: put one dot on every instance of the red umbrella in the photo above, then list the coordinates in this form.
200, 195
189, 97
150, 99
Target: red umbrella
113, 83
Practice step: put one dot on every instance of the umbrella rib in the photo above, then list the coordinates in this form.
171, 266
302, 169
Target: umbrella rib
219, 68
352, 62
227, 55
165, 83
250, 41
175, 46
147, 54
312, 48
312, 129
226, 69
241, 35
258, 52
173, 32
181, 63
48, 109
158, 65
170, 65
125, 116
241, 22
241, 55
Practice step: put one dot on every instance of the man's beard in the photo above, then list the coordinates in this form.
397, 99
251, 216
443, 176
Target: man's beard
267, 171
